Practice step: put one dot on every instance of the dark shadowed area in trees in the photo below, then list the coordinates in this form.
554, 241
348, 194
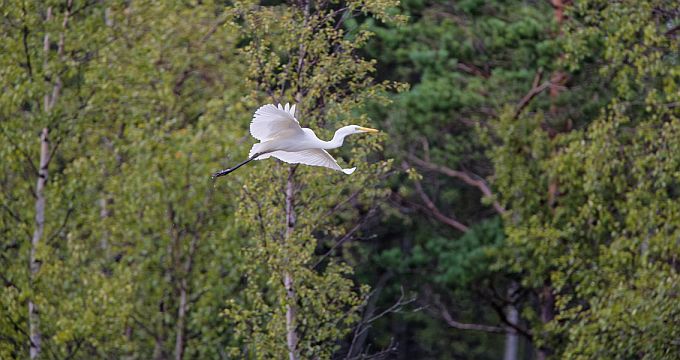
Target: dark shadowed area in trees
522, 200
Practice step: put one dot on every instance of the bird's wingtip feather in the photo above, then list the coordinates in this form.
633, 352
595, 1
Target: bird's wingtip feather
349, 171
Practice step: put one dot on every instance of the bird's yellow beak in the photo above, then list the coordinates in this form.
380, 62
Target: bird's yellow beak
368, 130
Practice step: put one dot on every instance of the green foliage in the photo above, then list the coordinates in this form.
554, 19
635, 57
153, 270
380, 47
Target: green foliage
133, 223
302, 54
604, 237
465, 61
469, 258
144, 257
454, 264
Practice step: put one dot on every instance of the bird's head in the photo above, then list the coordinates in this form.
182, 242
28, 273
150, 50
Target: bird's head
344, 131
356, 129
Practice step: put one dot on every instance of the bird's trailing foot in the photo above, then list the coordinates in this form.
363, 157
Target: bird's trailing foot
227, 171
221, 173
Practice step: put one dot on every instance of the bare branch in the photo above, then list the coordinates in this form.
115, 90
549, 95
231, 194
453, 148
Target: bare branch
213, 29
500, 310
466, 177
435, 211
369, 308
61, 227
432, 208
444, 312
364, 325
530, 96
14, 215
472, 70
346, 237
342, 203
672, 31
260, 216
396, 307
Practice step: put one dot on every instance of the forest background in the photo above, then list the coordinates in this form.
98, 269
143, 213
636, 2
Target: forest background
521, 202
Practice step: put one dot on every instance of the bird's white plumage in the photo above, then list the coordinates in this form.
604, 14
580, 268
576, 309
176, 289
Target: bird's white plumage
314, 157
282, 137
270, 122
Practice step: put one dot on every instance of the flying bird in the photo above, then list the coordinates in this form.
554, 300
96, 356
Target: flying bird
282, 137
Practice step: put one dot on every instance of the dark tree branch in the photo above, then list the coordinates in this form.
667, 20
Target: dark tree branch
530, 96
260, 216
364, 325
360, 331
396, 307
672, 31
432, 208
27, 53
444, 312
429, 204
472, 69
500, 310
461, 175
61, 227
346, 237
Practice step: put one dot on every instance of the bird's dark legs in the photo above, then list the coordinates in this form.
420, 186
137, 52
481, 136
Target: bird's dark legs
227, 171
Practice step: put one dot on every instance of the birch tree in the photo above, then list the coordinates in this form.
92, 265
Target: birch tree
297, 303
131, 88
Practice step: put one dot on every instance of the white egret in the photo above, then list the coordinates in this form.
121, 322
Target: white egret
282, 137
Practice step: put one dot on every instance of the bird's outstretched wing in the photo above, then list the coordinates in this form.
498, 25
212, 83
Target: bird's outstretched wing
314, 157
271, 121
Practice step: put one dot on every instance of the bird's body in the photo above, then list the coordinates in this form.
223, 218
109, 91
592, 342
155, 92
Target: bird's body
282, 137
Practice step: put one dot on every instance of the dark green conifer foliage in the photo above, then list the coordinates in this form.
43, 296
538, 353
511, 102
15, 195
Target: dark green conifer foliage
465, 61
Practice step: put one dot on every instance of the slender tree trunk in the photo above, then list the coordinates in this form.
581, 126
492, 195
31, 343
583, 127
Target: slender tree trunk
103, 215
34, 262
33, 314
291, 311
158, 350
180, 341
360, 333
547, 300
511, 336
557, 79
181, 315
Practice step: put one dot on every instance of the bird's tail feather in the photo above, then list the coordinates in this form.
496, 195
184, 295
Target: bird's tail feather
256, 149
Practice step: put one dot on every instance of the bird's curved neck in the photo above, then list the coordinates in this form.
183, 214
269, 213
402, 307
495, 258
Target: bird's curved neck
337, 140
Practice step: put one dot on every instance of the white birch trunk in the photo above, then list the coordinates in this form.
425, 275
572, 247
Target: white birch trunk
511, 337
33, 314
291, 311
34, 263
